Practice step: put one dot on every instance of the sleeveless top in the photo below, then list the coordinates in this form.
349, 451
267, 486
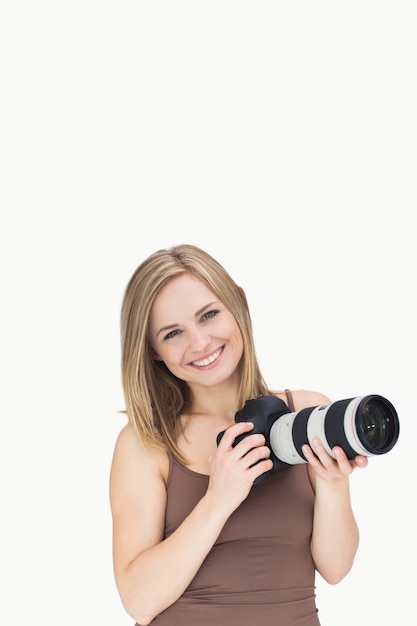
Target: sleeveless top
260, 571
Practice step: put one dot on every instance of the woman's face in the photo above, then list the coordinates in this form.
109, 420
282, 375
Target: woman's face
193, 333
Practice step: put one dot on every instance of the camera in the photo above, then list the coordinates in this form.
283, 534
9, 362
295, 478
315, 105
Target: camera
365, 425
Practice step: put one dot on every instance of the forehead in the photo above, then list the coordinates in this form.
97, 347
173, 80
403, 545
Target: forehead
183, 295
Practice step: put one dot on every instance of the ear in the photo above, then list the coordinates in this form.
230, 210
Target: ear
243, 295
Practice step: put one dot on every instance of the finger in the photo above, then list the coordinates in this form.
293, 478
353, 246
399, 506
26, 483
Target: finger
229, 435
248, 443
361, 461
254, 455
264, 466
312, 458
343, 462
320, 452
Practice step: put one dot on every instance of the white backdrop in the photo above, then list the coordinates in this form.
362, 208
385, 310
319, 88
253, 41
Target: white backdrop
281, 137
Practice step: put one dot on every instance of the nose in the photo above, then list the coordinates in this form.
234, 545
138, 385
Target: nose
199, 339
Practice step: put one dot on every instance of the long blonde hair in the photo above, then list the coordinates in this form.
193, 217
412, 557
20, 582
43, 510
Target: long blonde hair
154, 397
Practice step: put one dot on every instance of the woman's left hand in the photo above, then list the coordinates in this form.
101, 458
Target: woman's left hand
328, 468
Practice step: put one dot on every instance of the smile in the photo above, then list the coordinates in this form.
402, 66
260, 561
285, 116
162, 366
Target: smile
209, 359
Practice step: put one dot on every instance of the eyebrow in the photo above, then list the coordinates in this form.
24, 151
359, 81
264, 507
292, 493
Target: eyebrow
197, 313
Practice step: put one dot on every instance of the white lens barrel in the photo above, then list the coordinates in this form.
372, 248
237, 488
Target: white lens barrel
281, 440
350, 426
315, 427
281, 435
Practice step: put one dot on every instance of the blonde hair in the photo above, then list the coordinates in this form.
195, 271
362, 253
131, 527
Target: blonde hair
155, 398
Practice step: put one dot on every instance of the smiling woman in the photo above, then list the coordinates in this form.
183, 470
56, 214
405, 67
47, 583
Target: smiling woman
248, 552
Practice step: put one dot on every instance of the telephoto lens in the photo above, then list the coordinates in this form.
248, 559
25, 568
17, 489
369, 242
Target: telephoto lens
366, 425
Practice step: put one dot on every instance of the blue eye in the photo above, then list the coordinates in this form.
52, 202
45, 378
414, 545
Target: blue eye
171, 334
210, 314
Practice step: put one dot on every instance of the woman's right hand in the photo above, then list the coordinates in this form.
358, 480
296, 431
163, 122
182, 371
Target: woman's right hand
234, 468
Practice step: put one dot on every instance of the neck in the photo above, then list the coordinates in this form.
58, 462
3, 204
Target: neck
218, 400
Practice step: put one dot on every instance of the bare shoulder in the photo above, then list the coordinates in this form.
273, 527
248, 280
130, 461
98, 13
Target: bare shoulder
134, 462
304, 398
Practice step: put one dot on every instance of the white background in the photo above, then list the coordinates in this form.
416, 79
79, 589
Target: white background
281, 137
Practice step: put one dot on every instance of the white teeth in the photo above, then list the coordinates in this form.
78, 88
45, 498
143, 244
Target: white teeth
211, 358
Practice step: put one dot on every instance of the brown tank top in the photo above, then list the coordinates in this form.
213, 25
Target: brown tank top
260, 571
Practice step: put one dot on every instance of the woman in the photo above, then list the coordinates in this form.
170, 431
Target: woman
195, 541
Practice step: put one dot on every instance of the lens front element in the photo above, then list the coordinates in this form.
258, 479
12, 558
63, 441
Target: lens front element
376, 424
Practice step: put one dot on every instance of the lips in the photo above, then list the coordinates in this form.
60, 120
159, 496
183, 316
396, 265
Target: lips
209, 360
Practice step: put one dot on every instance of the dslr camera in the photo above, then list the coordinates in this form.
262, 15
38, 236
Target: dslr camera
365, 425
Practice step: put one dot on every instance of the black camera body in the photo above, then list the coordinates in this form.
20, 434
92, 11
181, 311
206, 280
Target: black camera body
365, 425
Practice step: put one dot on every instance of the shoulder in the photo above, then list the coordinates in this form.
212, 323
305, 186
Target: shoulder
133, 458
304, 398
